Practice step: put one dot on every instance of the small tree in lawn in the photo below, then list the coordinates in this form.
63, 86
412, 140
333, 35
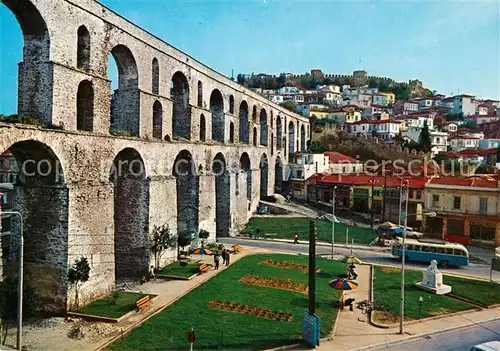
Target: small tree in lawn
203, 235
162, 240
183, 240
77, 275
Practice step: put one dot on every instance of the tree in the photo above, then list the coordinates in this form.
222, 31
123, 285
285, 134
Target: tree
240, 79
77, 275
498, 154
289, 105
203, 235
162, 240
398, 139
424, 139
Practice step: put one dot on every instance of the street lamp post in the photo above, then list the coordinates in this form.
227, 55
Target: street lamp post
333, 218
402, 317
19, 340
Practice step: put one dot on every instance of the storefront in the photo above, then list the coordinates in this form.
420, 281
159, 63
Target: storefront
483, 231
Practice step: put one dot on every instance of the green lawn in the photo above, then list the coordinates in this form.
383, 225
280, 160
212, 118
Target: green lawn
483, 292
114, 305
175, 269
287, 227
235, 331
387, 294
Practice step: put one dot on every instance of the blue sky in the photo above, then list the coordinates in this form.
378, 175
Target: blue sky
451, 46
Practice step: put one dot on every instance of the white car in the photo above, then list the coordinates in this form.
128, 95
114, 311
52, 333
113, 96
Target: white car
497, 251
487, 346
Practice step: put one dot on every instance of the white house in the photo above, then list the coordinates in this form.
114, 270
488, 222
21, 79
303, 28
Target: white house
488, 143
276, 98
385, 130
460, 142
464, 104
288, 90
379, 99
343, 164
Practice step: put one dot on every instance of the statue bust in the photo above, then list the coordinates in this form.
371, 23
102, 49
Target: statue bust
432, 276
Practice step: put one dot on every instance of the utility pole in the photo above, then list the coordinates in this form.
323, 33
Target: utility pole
316, 190
333, 218
371, 205
402, 317
383, 197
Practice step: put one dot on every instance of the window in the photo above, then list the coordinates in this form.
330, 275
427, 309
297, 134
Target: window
456, 202
435, 200
483, 205
440, 250
299, 174
417, 248
411, 194
448, 251
419, 194
432, 249
425, 248
409, 248
344, 169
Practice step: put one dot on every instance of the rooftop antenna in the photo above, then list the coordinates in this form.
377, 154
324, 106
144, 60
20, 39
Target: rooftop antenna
232, 74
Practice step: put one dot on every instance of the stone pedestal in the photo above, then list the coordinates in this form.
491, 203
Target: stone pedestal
433, 280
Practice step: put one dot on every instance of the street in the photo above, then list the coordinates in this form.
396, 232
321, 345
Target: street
369, 256
462, 339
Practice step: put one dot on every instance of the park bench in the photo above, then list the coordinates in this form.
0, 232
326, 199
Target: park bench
270, 235
142, 303
204, 268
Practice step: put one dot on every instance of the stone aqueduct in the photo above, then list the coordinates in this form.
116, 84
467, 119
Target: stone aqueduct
197, 150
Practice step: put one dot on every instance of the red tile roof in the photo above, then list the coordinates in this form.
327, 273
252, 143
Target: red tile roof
337, 157
366, 179
472, 181
470, 152
383, 121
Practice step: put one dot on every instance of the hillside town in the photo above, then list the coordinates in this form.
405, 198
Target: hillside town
457, 173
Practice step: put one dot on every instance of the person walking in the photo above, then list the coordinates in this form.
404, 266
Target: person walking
228, 257
224, 256
296, 241
216, 260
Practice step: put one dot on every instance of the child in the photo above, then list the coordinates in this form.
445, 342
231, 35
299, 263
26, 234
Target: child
216, 260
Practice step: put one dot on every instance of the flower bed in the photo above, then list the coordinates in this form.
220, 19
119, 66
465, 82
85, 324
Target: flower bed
274, 283
252, 310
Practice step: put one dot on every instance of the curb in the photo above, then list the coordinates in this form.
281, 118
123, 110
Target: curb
424, 320
416, 336
320, 243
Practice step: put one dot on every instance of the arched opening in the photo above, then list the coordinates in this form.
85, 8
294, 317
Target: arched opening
272, 120
297, 140
244, 132
284, 143
302, 138
155, 77
157, 120
217, 108
254, 114
231, 104
200, 94
40, 195
125, 99
181, 111
203, 128
131, 215
222, 196
33, 75
279, 133
278, 176
272, 144
85, 106
291, 139
231, 132
264, 176
254, 136
83, 49
263, 127
247, 167
187, 188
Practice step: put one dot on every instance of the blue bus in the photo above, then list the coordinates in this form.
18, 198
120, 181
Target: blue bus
443, 252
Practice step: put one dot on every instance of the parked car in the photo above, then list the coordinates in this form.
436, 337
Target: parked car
497, 251
487, 346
